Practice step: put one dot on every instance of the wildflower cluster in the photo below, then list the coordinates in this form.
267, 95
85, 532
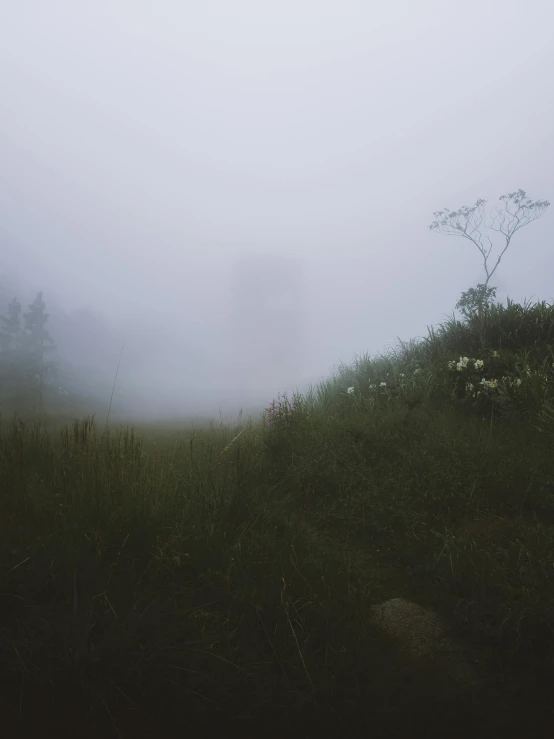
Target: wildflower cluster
463, 366
396, 387
470, 384
284, 413
505, 391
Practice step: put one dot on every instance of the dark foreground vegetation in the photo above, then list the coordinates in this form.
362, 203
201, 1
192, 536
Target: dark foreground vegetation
218, 581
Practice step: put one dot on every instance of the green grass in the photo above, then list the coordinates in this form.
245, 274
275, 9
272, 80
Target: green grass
162, 580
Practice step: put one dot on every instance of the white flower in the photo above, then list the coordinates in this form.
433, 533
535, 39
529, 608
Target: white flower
350, 390
489, 383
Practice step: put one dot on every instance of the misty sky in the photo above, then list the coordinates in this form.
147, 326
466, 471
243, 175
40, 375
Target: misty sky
241, 189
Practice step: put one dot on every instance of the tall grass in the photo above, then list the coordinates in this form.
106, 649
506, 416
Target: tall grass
159, 580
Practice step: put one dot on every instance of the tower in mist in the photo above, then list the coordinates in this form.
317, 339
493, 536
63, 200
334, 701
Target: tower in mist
265, 321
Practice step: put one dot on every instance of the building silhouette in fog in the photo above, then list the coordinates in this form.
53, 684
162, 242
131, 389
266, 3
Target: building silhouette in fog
264, 342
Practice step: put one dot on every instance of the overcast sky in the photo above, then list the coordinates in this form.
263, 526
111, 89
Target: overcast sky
242, 189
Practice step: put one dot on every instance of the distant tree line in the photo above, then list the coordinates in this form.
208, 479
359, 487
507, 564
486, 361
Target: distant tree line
25, 346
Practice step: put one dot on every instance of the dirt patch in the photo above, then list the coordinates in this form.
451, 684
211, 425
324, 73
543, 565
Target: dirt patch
420, 633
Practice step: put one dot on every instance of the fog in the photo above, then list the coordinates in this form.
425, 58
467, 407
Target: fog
239, 193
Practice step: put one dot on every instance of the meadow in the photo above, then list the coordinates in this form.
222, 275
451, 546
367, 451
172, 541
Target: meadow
217, 579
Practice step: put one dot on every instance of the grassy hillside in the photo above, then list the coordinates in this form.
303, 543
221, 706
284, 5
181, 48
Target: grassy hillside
162, 580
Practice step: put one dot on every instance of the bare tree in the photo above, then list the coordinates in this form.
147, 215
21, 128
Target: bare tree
518, 211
